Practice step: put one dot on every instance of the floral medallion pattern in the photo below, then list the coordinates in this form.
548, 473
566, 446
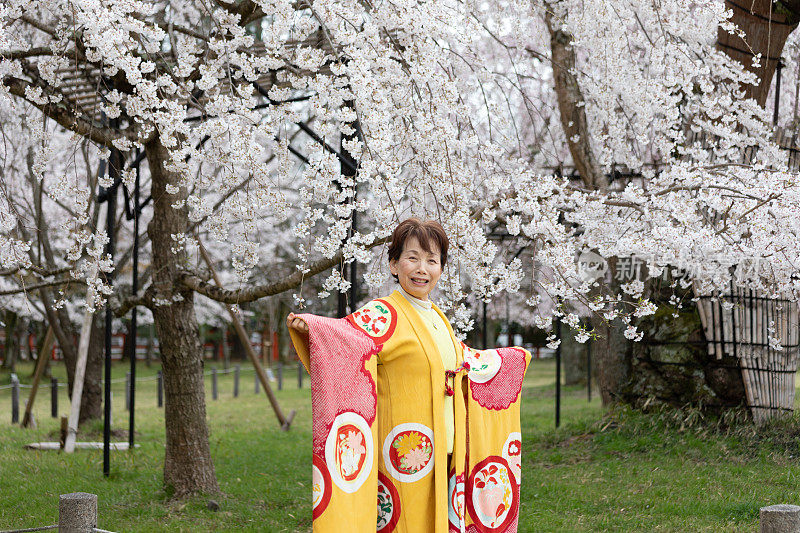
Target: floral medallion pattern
388, 504
493, 501
321, 486
455, 504
512, 453
377, 319
483, 364
349, 451
408, 452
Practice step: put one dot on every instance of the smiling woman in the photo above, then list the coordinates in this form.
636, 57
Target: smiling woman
405, 414
417, 256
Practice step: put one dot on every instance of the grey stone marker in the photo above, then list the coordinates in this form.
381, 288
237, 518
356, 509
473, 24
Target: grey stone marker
77, 512
14, 399
214, 391
780, 518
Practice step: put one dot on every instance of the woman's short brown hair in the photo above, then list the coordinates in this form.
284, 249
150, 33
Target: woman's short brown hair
426, 232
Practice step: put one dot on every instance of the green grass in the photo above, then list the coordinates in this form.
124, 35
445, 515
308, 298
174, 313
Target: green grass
617, 471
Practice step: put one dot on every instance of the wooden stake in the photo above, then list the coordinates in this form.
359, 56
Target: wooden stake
248, 348
41, 363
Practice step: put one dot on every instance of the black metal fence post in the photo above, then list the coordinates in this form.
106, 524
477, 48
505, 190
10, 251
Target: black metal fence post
589, 370
237, 369
256, 384
54, 397
132, 329
280, 375
160, 388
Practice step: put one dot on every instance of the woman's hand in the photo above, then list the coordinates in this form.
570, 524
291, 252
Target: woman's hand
298, 324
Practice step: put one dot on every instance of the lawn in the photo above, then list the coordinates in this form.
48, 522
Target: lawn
600, 471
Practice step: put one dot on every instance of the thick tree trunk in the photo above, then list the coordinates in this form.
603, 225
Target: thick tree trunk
672, 365
150, 346
766, 25
188, 468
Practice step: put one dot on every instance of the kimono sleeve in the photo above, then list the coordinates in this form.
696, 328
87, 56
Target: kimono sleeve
494, 439
341, 360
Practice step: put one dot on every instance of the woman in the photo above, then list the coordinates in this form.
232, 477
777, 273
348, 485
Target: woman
395, 421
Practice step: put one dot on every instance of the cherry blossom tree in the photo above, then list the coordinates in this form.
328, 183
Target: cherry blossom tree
641, 91
268, 118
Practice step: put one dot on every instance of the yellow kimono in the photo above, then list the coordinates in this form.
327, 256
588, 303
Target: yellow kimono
377, 388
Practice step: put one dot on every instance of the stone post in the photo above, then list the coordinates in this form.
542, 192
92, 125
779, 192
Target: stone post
14, 399
77, 512
780, 518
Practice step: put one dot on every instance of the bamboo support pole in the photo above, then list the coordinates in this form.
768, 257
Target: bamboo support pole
41, 363
705, 320
248, 348
745, 355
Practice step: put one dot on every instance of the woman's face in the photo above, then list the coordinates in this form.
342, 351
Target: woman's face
417, 270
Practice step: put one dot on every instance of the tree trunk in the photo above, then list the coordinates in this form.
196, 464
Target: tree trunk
672, 366
11, 347
92, 399
574, 357
283, 333
570, 105
40, 338
150, 346
188, 468
612, 353
228, 346
766, 26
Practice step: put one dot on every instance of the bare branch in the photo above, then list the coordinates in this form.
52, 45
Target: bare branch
42, 285
250, 294
39, 26
145, 299
247, 10
37, 269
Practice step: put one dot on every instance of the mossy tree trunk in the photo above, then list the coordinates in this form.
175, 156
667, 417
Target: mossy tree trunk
672, 365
